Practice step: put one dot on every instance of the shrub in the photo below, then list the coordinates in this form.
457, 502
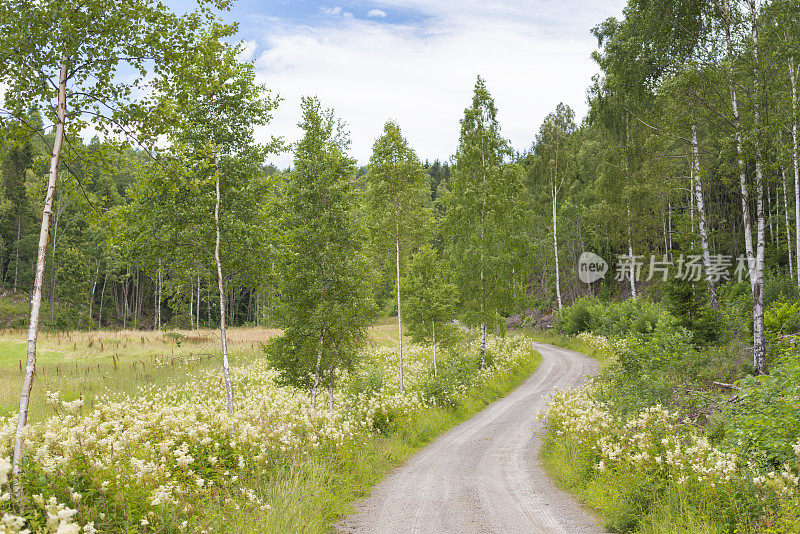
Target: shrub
779, 286
576, 318
614, 319
691, 308
783, 317
451, 380
765, 424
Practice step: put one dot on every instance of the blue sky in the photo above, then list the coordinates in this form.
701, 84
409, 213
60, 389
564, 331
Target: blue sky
415, 61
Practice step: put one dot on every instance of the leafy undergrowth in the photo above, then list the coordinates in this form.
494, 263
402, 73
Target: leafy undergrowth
584, 343
171, 460
650, 447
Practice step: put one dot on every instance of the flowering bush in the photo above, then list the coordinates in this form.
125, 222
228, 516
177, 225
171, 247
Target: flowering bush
655, 441
148, 462
634, 457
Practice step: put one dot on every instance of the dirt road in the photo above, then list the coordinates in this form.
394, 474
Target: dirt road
484, 475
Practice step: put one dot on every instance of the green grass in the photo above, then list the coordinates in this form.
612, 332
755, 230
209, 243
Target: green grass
310, 495
305, 494
626, 501
89, 364
567, 342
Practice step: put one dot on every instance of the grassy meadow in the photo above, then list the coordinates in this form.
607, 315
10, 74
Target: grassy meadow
88, 364
138, 438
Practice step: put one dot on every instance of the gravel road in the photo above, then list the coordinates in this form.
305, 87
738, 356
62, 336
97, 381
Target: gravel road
484, 475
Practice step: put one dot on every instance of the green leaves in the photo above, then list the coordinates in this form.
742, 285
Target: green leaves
325, 304
111, 50
428, 297
484, 211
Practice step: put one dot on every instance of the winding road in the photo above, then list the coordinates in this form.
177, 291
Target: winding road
484, 475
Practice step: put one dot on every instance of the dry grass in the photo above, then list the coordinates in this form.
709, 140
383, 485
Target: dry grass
384, 332
89, 364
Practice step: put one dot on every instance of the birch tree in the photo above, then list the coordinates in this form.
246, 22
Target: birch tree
209, 108
757, 263
555, 160
701, 219
397, 200
431, 298
479, 195
61, 58
325, 306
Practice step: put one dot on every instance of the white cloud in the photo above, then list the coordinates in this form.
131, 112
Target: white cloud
331, 11
376, 13
533, 55
248, 49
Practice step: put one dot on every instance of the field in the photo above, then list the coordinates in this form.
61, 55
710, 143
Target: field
87, 364
130, 432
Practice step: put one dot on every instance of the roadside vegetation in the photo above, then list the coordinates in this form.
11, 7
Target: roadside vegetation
678, 434
162, 455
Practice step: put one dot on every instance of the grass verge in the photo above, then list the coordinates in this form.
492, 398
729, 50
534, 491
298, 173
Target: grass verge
645, 497
569, 343
312, 495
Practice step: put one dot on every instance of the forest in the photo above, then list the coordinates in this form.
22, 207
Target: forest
138, 203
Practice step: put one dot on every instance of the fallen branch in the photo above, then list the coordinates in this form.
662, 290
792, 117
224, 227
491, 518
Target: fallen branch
723, 385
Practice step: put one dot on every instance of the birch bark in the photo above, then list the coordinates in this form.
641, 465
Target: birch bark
757, 281
796, 161
36, 297
786, 217
701, 220
220, 283
397, 276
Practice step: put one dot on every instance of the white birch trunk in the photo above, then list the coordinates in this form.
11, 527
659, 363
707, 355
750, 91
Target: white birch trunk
399, 311
630, 254
701, 219
36, 297
91, 295
483, 278
483, 298
223, 336
315, 387
628, 206
745, 196
786, 217
669, 224
160, 283
555, 249
633, 267
191, 305
759, 341
102, 298
433, 325
796, 161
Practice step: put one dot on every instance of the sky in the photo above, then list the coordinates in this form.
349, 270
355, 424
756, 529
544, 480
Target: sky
416, 62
